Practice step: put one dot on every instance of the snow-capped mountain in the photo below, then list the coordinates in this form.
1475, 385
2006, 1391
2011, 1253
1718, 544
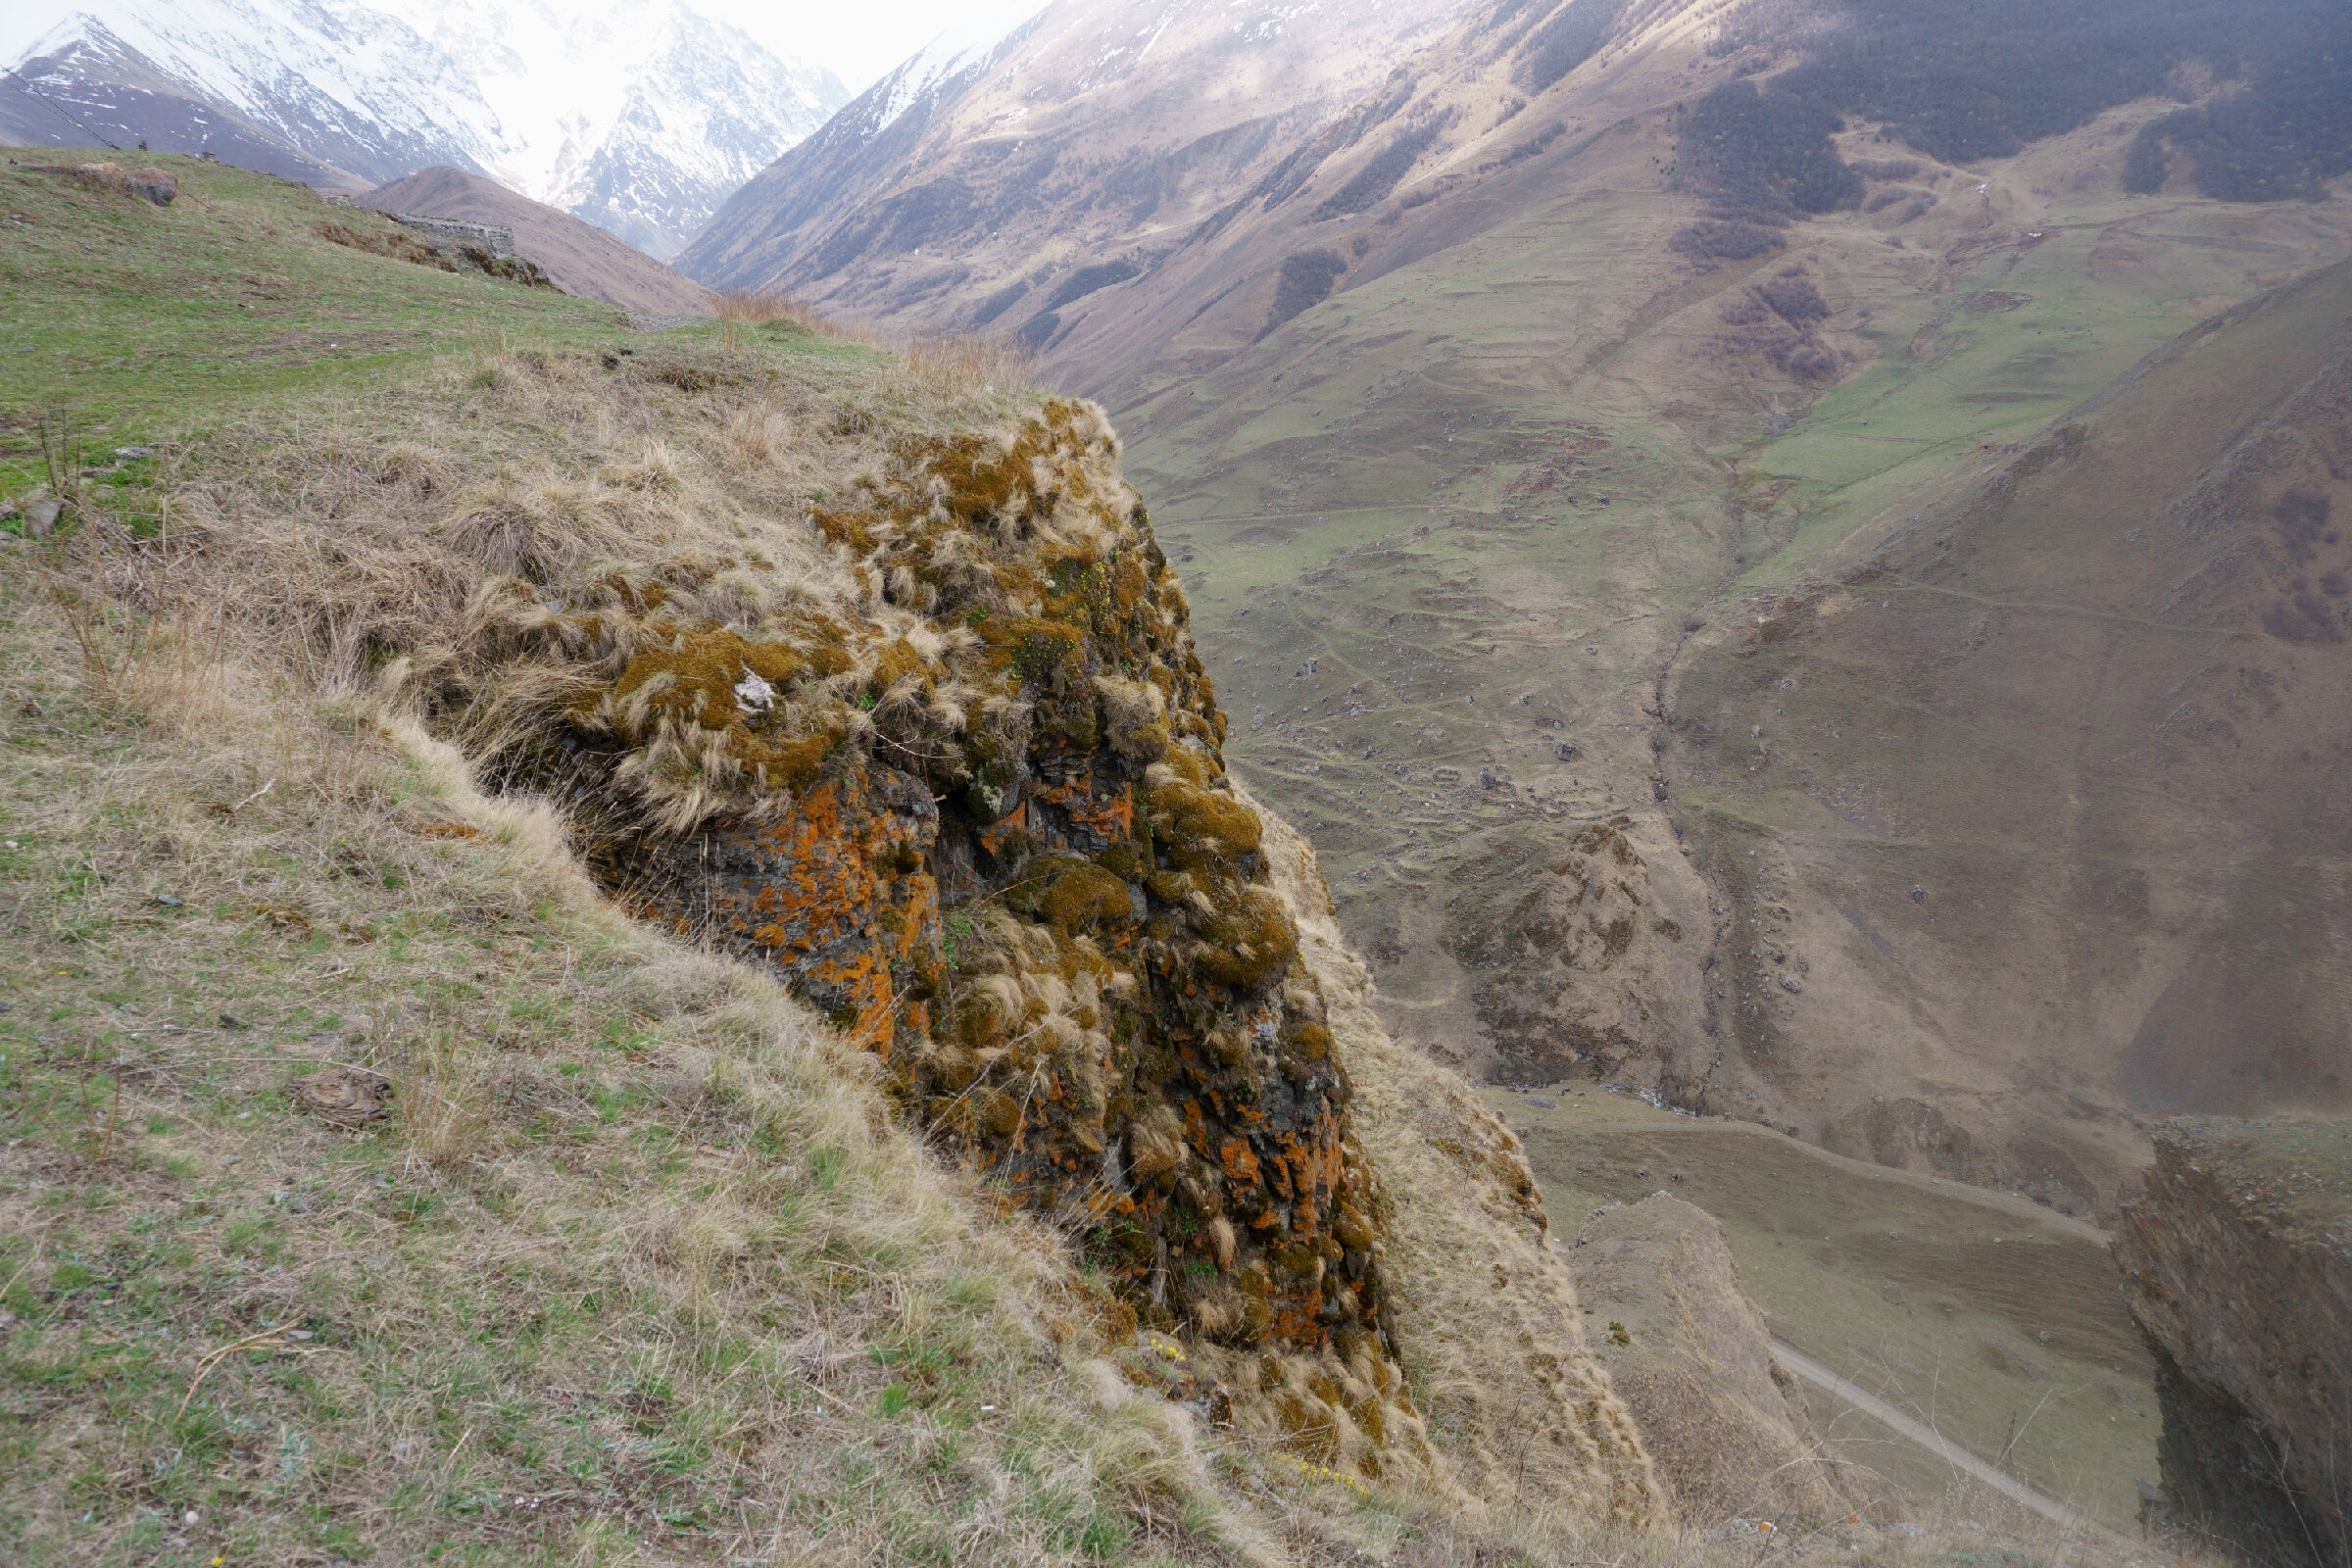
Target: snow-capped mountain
639, 116
872, 142
935, 71
356, 89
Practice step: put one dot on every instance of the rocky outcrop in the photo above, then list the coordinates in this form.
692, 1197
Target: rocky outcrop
580, 258
971, 804
2238, 1261
1691, 1356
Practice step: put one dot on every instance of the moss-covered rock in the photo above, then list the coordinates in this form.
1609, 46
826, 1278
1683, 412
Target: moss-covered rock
976, 812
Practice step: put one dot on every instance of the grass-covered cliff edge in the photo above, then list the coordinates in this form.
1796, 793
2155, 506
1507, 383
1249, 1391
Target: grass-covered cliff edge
436, 780
1046, 1235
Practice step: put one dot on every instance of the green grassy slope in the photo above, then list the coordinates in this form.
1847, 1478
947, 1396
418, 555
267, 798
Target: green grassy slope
123, 316
2032, 328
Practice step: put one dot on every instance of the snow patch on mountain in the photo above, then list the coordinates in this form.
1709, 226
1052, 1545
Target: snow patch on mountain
961, 50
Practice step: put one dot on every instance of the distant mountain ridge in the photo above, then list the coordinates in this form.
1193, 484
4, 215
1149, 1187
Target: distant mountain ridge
639, 116
285, 71
1086, 142
1103, 141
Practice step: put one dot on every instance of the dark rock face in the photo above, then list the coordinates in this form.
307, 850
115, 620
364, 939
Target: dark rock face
2238, 1261
982, 821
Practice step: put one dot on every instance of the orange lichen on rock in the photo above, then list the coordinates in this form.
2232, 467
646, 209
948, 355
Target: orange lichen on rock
975, 812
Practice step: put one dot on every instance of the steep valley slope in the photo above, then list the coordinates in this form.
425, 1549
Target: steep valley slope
1463, 417
2081, 898
1454, 525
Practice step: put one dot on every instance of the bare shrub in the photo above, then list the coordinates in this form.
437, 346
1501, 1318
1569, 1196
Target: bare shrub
1721, 240
1804, 357
1305, 281
2302, 515
1794, 299
2303, 616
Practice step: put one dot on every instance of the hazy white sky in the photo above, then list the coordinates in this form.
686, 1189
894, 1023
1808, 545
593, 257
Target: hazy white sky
859, 38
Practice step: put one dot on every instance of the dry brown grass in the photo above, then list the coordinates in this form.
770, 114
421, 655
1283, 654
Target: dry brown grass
640, 1246
1488, 1314
962, 361
759, 310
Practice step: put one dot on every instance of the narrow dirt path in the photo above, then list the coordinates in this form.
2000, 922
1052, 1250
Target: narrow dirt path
1928, 1438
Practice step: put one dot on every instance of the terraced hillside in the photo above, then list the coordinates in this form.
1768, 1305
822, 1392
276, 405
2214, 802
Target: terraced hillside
2043, 779
1484, 691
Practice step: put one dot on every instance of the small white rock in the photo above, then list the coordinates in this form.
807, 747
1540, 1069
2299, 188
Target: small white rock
754, 692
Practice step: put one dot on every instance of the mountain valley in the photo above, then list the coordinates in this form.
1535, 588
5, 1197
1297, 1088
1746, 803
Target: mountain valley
1481, 421
1245, 782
